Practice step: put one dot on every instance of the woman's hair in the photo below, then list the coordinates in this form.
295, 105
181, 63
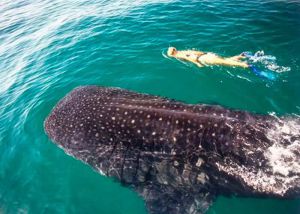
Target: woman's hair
171, 51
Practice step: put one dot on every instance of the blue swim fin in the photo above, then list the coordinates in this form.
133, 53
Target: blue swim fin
267, 75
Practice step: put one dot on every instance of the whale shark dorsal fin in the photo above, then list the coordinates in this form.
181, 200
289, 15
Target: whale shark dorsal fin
164, 199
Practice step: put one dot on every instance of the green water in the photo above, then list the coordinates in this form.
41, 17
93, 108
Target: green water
49, 47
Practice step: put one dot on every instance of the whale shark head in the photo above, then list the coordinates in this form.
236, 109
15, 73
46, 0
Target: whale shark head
178, 157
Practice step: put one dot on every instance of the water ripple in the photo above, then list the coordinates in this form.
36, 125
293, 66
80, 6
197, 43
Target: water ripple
49, 47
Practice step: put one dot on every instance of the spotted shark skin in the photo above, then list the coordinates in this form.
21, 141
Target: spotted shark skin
177, 156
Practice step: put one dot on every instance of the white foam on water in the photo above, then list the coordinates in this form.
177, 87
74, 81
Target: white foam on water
267, 61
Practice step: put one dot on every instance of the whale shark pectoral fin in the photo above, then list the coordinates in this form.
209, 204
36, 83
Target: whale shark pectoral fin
165, 199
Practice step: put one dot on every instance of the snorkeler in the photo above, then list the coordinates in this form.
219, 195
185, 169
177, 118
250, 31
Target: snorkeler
207, 58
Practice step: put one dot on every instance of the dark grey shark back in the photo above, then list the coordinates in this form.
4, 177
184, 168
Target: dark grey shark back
178, 156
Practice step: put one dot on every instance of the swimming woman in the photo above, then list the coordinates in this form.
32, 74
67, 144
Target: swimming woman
207, 58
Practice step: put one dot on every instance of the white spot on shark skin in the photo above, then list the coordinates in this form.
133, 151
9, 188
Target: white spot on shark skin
113, 118
132, 121
231, 127
100, 171
201, 178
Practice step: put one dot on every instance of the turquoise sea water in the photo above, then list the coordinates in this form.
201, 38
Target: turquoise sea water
49, 47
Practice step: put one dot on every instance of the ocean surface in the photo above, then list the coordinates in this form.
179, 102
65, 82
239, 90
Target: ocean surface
49, 47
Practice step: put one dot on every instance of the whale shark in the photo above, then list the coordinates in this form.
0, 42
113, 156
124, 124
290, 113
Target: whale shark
178, 157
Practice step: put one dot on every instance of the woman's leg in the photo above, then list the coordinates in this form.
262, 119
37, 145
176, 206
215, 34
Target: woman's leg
237, 57
212, 59
235, 63
230, 62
